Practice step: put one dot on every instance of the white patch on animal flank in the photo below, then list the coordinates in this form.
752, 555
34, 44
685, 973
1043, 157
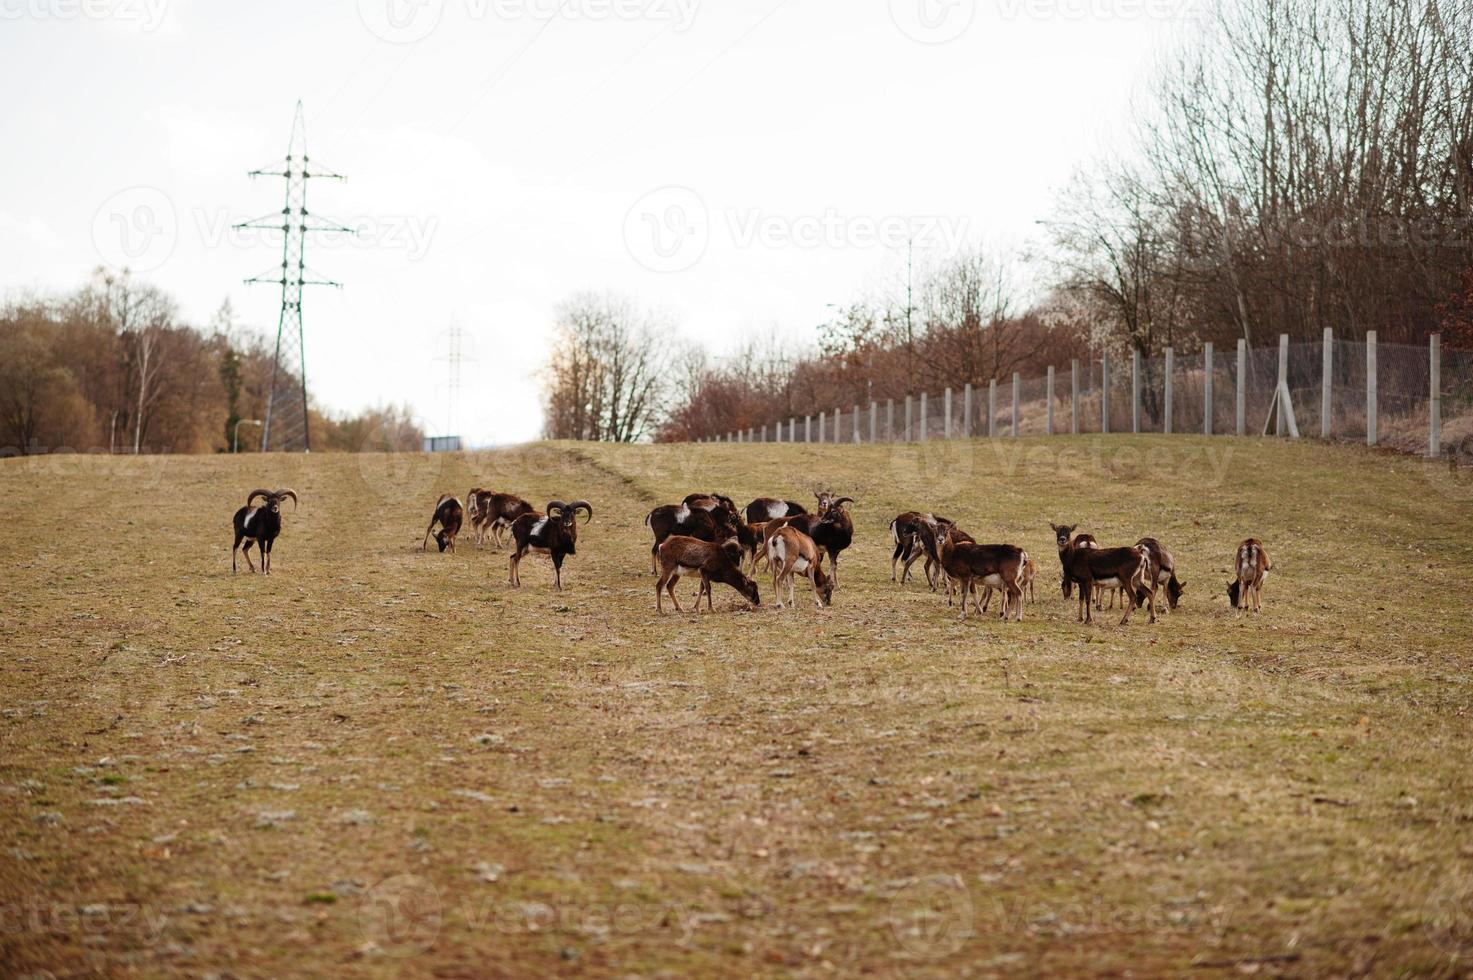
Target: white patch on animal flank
247, 521
800, 565
539, 527
682, 514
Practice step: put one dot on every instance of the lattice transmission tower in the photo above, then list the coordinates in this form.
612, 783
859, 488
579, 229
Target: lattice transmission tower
286, 427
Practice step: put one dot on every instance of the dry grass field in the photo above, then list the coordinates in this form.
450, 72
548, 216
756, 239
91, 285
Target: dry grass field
380, 762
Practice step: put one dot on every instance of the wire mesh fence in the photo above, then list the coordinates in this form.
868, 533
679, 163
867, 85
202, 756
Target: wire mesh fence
1415, 399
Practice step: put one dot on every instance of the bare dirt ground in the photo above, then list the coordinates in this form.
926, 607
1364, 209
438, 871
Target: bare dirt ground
381, 762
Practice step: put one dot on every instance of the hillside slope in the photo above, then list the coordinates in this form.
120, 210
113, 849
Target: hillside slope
381, 760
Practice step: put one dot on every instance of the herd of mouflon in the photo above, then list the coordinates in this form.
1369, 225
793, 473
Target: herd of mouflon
708, 536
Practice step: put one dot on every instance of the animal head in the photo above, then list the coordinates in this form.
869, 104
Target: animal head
567, 514
271, 499
1233, 593
834, 507
1174, 589
749, 590
1063, 534
442, 539
825, 583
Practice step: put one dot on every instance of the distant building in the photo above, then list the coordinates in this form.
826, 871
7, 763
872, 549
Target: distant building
442, 444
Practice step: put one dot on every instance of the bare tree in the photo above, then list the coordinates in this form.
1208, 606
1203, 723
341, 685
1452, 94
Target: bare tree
606, 377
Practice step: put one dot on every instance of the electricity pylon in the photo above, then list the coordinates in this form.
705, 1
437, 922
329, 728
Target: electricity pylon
286, 403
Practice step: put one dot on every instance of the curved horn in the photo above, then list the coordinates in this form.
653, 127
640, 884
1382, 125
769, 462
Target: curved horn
842, 501
578, 505
257, 493
288, 492
555, 507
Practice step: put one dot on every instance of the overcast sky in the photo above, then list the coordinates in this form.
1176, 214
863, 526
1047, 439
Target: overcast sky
737, 164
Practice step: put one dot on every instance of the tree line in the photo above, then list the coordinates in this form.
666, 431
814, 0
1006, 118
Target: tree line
112, 366
1296, 165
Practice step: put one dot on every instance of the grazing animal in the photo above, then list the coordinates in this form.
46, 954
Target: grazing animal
770, 509
834, 531
682, 519
1062, 536
997, 566
450, 515
260, 526
790, 552
930, 540
713, 503
906, 530
1165, 571
1252, 565
1030, 569
682, 555
555, 535
1128, 569
495, 512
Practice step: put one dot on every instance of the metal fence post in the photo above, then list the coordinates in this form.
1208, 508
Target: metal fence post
1135, 391
924, 410
807, 429
946, 425
1017, 401
839, 425
1327, 372
1207, 389
967, 411
793, 429
1283, 383
992, 409
889, 420
1371, 394
874, 419
1050, 387
1170, 363
910, 432
823, 426
1105, 392
1434, 407
1242, 386
1074, 396
855, 436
